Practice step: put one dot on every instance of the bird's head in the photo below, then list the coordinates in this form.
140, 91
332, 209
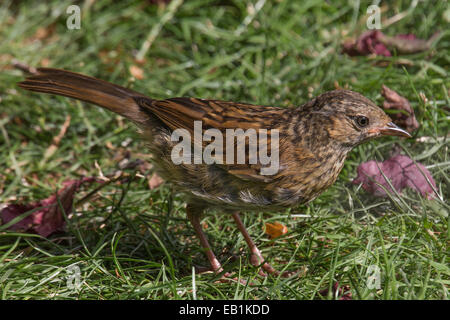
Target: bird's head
349, 118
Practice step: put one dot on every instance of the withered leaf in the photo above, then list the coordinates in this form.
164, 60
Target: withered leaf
136, 72
155, 181
402, 173
376, 42
366, 44
404, 117
275, 230
407, 43
48, 217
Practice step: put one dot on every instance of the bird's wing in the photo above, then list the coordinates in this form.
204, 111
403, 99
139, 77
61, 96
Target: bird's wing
180, 113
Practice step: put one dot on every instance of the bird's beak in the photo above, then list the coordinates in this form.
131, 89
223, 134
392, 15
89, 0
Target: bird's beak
392, 129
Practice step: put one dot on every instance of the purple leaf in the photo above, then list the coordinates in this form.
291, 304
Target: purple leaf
367, 43
48, 217
401, 171
376, 42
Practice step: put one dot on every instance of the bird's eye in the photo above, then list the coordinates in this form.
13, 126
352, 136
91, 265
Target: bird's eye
362, 121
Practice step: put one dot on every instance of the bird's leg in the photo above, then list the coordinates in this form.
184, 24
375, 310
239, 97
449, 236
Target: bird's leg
256, 259
194, 214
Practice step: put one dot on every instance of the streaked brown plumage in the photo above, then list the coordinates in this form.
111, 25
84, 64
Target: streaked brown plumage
314, 141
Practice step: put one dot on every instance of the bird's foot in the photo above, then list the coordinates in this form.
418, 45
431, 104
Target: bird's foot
257, 261
226, 277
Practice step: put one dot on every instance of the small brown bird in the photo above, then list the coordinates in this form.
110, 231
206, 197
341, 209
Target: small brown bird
312, 142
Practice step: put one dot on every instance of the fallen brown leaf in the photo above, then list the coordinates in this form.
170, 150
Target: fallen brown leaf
404, 117
137, 72
155, 181
275, 230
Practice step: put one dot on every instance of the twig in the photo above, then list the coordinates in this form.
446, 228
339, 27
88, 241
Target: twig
24, 67
56, 140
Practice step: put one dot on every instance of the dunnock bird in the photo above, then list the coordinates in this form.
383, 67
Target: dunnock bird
312, 142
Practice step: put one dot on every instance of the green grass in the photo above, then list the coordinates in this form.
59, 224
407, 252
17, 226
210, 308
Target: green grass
131, 242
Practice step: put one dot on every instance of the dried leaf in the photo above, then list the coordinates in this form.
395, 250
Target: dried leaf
45, 62
43, 33
405, 117
275, 230
137, 72
376, 42
48, 217
155, 181
401, 171
367, 43
407, 43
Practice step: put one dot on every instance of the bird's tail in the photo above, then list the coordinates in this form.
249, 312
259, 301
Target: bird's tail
74, 85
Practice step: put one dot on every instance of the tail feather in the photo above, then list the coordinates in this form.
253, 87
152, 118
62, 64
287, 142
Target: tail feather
74, 85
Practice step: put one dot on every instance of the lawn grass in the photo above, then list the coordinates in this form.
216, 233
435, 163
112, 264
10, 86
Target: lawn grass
130, 242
